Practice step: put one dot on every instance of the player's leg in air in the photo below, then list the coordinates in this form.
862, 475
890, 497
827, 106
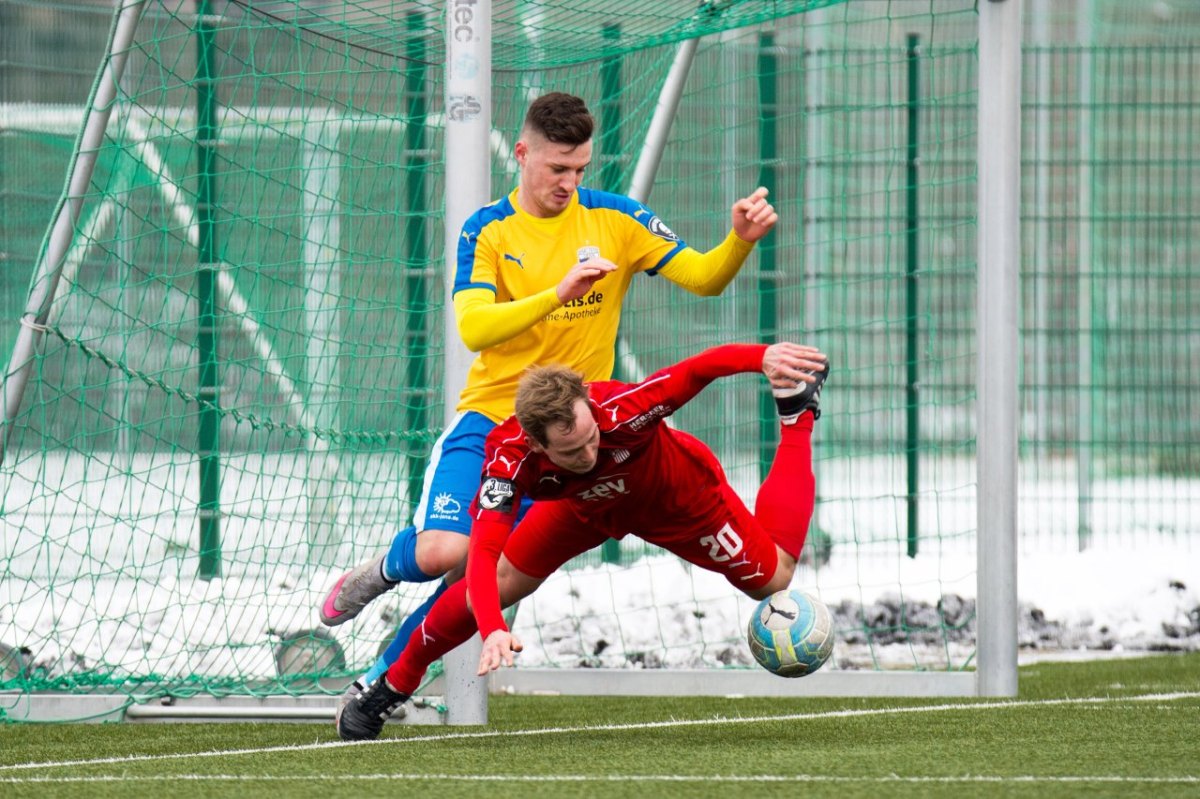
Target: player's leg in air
785, 501
549, 536
756, 552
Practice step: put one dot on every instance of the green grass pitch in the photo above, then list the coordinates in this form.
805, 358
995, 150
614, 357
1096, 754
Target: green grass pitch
1104, 728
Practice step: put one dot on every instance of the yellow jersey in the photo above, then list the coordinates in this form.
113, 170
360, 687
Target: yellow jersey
504, 249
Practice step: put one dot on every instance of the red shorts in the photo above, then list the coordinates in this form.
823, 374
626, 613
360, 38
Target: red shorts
727, 539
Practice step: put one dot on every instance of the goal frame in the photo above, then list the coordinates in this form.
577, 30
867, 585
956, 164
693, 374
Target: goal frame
470, 142
998, 202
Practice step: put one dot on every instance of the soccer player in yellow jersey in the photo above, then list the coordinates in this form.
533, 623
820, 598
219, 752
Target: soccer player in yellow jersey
540, 278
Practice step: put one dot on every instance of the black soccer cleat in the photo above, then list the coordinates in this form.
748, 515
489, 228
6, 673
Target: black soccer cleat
794, 401
363, 717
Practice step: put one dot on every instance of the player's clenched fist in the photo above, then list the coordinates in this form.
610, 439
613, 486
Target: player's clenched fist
581, 277
753, 216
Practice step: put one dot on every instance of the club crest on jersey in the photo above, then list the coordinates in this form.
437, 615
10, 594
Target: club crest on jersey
660, 229
496, 494
587, 253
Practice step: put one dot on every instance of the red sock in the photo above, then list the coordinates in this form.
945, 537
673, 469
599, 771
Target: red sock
785, 501
449, 623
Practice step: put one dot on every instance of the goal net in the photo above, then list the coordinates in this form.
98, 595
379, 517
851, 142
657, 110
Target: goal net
238, 370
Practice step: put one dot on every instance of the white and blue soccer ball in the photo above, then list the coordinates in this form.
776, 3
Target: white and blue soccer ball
791, 633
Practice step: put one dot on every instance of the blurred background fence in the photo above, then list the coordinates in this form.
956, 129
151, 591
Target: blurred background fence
317, 187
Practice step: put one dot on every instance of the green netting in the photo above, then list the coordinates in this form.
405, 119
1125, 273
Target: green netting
305, 212
1111, 232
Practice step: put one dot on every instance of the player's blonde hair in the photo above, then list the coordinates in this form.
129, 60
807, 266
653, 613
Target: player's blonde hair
546, 396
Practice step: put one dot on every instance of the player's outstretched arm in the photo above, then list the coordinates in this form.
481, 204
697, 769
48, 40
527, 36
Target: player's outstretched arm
708, 273
498, 650
784, 364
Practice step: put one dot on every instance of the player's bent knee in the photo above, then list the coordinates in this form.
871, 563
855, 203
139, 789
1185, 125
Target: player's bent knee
785, 570
440, 551
457, 573
786, 565
513, 583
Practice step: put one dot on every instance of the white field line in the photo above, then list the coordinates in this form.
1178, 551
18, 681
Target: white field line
610, 778
705, 722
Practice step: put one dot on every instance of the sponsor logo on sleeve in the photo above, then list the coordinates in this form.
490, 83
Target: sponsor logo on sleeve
496, 494
656, 413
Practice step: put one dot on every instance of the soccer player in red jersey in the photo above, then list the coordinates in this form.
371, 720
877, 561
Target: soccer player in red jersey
601, 464
540, 276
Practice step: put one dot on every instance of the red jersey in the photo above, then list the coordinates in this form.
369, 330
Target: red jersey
647, 476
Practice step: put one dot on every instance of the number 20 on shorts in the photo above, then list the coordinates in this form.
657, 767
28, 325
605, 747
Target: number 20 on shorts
724, 545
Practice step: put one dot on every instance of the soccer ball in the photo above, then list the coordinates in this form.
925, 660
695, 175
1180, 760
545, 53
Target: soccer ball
790, 633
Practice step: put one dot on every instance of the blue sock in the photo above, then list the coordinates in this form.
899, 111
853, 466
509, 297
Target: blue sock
400, 565
396, 647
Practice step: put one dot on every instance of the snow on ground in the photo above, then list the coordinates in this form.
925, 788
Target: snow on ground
113, 579
657, 612
1101, 602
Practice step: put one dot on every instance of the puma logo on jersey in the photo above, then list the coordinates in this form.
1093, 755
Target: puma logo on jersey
758, 572
609, 489
516, 260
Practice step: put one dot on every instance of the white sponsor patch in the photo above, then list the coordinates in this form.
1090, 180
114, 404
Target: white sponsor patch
495, 493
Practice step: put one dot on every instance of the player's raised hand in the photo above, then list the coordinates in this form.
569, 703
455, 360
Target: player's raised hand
753, 216
785, 364
581, 277
498, 649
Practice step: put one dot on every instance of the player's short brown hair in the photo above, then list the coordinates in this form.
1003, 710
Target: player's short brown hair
561, 118
546, 396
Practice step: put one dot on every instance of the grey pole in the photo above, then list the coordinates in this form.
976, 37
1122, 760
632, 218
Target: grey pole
321, 229
62, 229
1085, 208
468, 181
999, 242
660, 125
1041, 27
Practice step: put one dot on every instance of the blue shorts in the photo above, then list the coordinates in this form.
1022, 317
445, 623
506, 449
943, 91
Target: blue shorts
452, 477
